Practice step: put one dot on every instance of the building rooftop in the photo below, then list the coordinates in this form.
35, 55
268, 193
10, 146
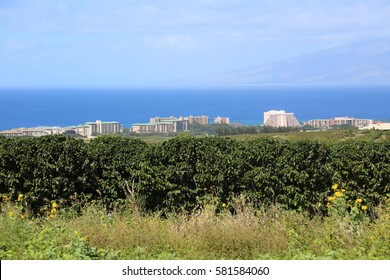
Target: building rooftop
88, 123
153, 123
276, 112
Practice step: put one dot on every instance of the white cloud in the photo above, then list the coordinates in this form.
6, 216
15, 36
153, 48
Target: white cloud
247, 32
210, 17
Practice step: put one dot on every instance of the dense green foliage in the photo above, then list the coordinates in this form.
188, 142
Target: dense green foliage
185, 172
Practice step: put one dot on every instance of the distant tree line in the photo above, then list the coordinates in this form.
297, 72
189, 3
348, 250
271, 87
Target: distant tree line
236, 129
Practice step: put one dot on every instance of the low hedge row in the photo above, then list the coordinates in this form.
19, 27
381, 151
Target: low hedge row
186, 172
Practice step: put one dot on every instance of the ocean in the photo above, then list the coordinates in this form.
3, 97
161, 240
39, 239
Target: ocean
244, 104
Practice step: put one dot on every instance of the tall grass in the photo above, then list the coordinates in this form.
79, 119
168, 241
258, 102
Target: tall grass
249, 233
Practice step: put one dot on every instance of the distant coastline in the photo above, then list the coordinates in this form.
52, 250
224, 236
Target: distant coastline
64, 107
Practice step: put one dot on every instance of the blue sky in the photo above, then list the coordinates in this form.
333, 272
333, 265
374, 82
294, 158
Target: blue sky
132, 43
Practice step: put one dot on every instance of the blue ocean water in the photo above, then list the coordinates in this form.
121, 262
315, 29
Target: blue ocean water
63, 107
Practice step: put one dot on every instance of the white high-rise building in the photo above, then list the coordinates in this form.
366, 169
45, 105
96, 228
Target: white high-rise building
280, 118
94, 128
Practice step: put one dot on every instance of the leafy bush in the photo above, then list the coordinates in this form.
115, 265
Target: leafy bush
186, 172
45, 169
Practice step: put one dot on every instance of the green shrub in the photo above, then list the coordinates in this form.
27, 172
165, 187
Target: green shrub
186, 172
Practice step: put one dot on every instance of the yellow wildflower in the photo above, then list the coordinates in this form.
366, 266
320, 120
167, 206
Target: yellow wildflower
54, 204
359, 200
4, 197
20, 197
338, 194
51, 216
331, 198
335, 186
11, 213
343, 190
328, 204
53, 211
223, 205
364, 207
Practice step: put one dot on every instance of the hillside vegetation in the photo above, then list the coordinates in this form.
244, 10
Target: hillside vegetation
184, 172
188, 197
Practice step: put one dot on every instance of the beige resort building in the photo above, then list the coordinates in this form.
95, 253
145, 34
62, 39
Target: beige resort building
327, 123
221, 120
161, 125
203, 120
280, 118
168, 124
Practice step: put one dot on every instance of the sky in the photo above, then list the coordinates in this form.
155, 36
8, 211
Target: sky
147, 43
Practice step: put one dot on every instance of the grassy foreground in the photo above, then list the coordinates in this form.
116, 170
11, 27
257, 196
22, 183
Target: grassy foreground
271, 233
